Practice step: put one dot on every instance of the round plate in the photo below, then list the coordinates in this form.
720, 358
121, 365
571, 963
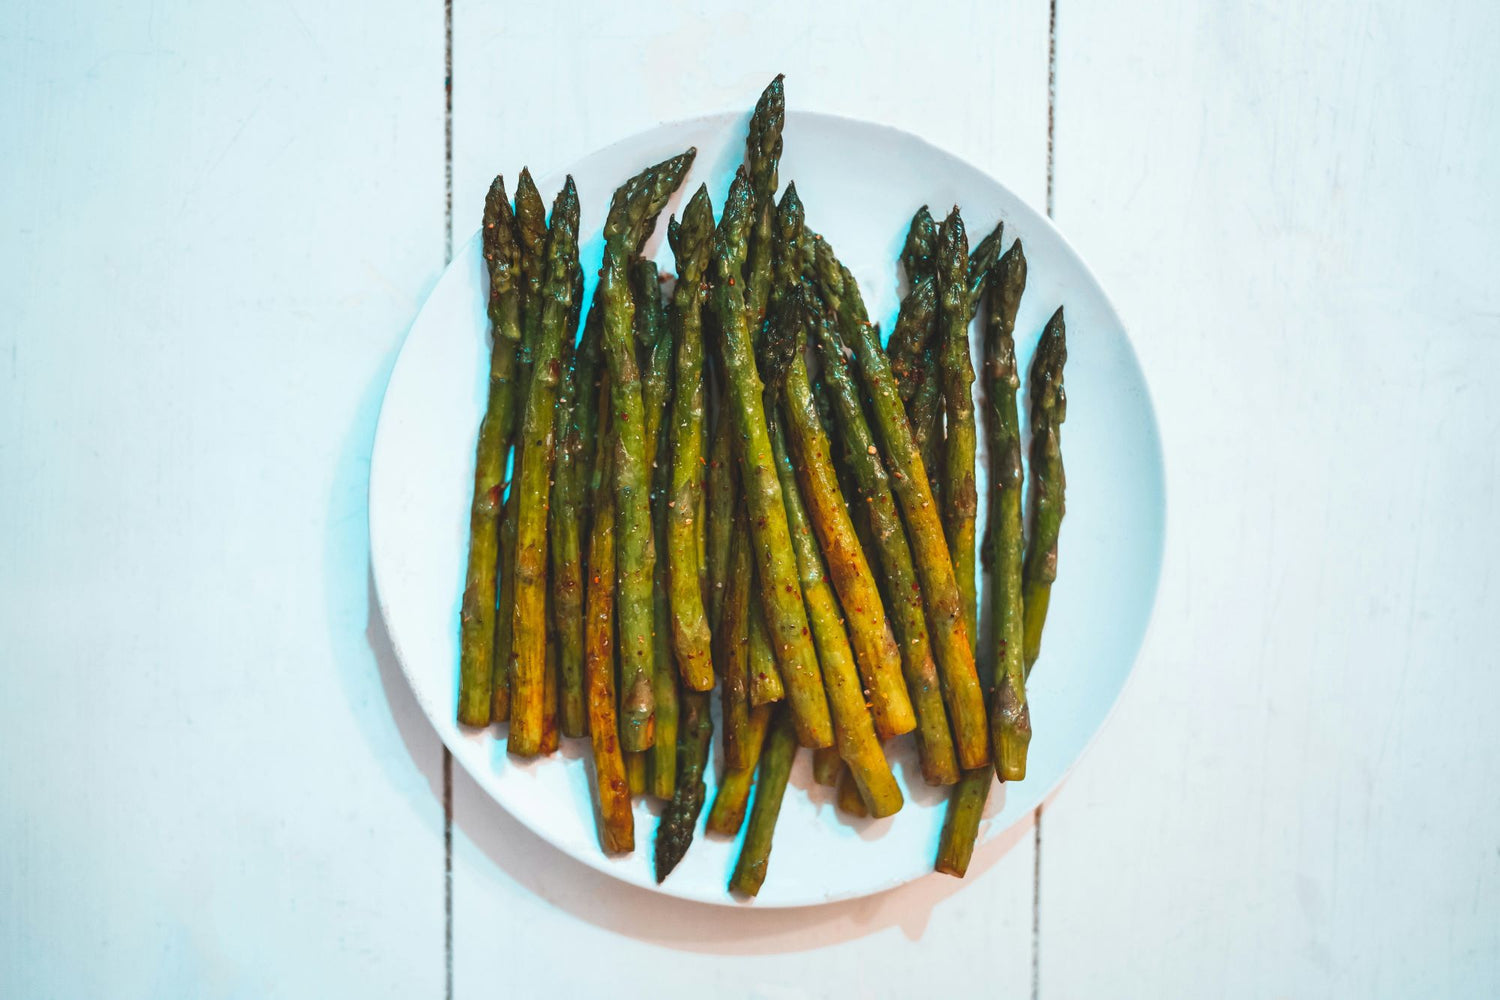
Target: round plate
861, 183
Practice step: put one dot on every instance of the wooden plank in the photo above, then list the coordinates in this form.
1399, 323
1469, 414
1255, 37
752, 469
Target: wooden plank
524, 914
1295, 207
217, 225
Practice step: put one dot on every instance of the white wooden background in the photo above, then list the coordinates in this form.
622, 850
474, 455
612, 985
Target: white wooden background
216, 222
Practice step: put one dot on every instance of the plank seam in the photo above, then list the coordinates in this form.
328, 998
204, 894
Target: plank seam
447, 259
1036, 852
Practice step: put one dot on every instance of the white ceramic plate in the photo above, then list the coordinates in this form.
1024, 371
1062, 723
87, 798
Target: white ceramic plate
861, 183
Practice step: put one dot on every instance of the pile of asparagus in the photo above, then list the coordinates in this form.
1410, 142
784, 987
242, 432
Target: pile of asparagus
691, 503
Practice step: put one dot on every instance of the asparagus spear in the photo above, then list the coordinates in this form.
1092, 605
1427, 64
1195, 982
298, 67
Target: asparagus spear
531, 245
955, 656
681, 814
762, 674
1010, 719
848, 799
1004, 547
934, 740
728, 811
960, 497
919, 305
477, 614
734, 647
631, 215
1049, 408
961, 822
722, 503
826, 765
506, 571
528, 665
853, 729
617, 824
531, 227
656, 341
691, 640
568, 514
636, 764
775, 767
762, 154
786, 617
869, 630
920, 248
551, 731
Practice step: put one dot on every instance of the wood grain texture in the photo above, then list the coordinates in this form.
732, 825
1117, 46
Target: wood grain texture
217, 224
689, 59
1297, 217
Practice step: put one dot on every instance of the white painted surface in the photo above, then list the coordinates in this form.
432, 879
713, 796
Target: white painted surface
215, 227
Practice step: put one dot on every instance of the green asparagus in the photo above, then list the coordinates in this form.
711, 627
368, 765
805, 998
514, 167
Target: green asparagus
775, 768
617, 825
680, 816
631, 216
1049, 408
1010, 718
691, 639
959, 495
477, 615
536, 441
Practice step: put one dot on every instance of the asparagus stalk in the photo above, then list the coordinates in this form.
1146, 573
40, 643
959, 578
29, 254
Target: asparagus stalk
869, 630
934, 740
636, 776
775, 767
617, 824
762, 154
655, 343
961, 822
960, 496
826, 766
568, 514
528, 666
1004, 548
1010, 718
722, 502
763, 676
786, 618
477, 614
734, 648
531, 242
678, 819
853, 729
955, 656
1049, 408
848, 798
728, 811
506, 571
631, 215
551, 731
691, 639
919, 305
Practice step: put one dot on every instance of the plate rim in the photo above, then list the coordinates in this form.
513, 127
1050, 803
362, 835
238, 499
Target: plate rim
454, 738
